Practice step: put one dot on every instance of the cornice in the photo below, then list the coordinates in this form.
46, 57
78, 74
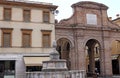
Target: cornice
23, 4
84, 4
93, 28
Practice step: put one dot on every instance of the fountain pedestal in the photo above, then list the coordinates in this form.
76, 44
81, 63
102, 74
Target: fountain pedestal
56, 68
54, 64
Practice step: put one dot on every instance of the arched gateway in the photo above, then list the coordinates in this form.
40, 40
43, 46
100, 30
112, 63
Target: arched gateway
85, 39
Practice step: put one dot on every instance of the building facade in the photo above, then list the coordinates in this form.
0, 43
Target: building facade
116, 21
116, 49
86, 40
26, 33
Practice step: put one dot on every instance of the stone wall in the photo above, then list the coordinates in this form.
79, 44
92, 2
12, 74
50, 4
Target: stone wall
60, 74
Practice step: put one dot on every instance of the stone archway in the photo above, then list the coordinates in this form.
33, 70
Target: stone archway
63, 47
93, 56
89, 21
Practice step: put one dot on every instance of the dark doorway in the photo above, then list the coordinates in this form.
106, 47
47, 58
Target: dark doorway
115, 66
93, 56
63, 47
7, 69
1, 69
97, 65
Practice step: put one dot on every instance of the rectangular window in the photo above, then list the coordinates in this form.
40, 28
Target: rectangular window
46, 17
7, 14
33, 68
46, 38
26, 15
118, 46
26, 38
6, 37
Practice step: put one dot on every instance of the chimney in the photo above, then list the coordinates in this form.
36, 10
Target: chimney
117, 15
110, 18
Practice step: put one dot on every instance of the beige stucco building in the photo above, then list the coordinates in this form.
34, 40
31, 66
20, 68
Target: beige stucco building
26, 33
116, 46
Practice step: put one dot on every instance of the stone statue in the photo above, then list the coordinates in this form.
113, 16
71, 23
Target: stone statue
54, 64
54, 55
54, 44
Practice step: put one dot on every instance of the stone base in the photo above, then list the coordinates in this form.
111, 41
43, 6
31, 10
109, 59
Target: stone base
57, 74
54, 65
107, 76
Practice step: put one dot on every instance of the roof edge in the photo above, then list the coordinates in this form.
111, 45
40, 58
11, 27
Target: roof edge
29, 4
80, 4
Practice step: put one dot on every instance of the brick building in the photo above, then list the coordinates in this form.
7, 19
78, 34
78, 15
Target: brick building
86, 39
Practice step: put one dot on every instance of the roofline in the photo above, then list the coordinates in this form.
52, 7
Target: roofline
115, 19
80, 4
28, 4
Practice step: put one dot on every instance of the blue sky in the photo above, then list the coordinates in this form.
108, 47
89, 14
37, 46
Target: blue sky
65, 10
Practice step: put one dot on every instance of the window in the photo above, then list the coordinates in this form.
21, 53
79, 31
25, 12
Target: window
96, 48
26, 38
91, 19
26, 15
6, 37
46, 38
7, 69
7, 14
118, 45
33, 68
46, 17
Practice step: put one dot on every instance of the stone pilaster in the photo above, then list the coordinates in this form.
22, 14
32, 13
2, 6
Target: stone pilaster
106, 65
81, 56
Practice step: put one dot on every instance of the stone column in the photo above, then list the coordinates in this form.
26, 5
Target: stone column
91, 60
20, 68
105, 59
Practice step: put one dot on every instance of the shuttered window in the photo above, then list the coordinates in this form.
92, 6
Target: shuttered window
46, 17
6, 37
7, 14
46, 38
26, 15
26, 38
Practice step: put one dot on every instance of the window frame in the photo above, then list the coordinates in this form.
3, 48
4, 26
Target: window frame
7, 30
29, 32
4, 14
33, 68
44, 21
24, 15
48, 32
